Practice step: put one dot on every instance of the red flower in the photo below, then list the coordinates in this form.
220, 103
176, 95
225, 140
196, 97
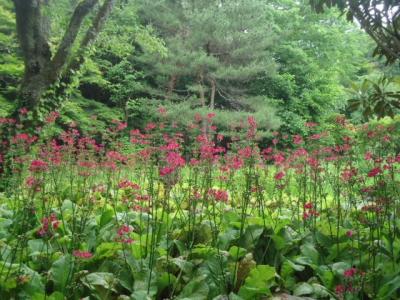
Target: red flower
348, 174
166, 171
52, 117
82, 254
115, 156
297, 139
210, 115
279, 175
218, 195
23, 111
162, 110
150, 126
308, 205
374, 172
368, 155
350, 272
125, 184
278, 158
311, 124
38, 166
340, 289
174, 160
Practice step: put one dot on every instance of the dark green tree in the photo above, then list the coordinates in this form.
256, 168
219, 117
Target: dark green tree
379, 18
214, 49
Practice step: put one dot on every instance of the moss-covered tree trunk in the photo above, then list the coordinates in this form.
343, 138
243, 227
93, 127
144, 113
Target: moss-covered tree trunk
42, 67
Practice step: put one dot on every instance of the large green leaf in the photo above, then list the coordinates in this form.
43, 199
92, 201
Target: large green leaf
389, 288
309, 251
196, 289
100, 279
61, 271
303, 289
258, 282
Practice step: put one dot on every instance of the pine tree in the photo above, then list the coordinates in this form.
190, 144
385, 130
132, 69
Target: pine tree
215, 48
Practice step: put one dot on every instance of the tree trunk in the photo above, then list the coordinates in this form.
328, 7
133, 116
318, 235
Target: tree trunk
90, 37
212, 96
171, 86
201, 91
41, 70
32, 30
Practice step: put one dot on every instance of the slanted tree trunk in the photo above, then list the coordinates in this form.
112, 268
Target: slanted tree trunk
42, 69
171, 86
212, 95
90, 37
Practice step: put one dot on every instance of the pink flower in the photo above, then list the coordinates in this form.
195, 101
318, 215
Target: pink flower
340, 289
279, 175
116, 156
308, 205
162, 111
124, 229
350, 272
350, 233
38, 166
218, 195
297, 139
123, 234
175, 160
311, 124
210, 115
368, 155
150, 126
374, 172
46, 222
316, 136
23, 111
126, 184
348, 174
313, 162
52, 117
245, 152
166, 171
82, 254
278, 158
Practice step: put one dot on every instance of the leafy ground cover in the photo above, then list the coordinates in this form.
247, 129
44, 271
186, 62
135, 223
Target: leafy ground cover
172, 213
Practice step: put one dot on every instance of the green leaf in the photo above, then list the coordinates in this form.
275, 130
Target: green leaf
56, 296
35, 284
237, 253
61, 271
339, 268
107, 250
196, 289
107, 216
310, 252
389, 288
100, 279
258, 282
303, 289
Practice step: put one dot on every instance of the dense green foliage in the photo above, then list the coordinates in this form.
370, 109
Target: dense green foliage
199, 150
286, 64
80, 220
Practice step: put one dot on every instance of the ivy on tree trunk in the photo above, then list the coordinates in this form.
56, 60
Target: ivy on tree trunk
42, 67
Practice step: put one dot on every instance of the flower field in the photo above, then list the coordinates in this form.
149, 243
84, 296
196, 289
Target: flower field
187, 213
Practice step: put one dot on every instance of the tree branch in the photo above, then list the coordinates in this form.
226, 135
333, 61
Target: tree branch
64, 49
89, 38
